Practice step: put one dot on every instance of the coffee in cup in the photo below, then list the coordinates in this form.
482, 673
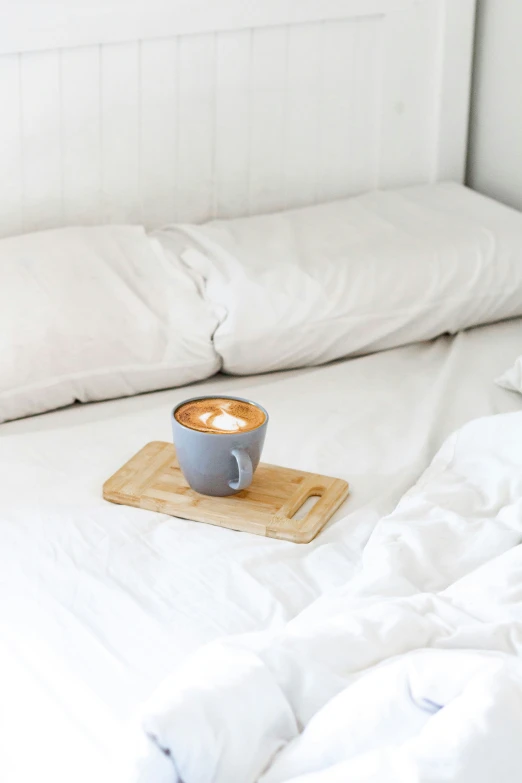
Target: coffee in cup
220, 415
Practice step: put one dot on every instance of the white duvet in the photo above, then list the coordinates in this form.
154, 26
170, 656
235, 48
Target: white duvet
411, 671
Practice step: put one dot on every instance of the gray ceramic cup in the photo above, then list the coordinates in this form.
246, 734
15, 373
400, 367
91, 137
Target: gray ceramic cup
218, 464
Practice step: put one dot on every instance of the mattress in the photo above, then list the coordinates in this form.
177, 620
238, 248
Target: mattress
100, 602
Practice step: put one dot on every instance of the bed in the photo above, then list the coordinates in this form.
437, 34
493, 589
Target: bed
181, 113
103, 602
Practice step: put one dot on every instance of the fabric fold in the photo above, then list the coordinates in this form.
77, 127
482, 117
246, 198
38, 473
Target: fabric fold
406, 671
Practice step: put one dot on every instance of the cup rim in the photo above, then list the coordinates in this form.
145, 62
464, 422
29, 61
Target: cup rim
219, 397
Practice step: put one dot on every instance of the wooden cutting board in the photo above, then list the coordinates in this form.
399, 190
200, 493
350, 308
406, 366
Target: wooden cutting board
153, 480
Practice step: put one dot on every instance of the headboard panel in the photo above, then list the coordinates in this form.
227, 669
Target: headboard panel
183, 113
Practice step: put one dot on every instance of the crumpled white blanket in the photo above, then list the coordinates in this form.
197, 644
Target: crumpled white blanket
412, 671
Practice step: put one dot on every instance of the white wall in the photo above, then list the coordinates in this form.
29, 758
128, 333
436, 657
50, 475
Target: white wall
184, 110
495, 160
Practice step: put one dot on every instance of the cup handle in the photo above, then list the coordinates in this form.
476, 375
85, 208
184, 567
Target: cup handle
244, 467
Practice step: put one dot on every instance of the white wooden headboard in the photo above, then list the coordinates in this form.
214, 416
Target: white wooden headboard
150, 111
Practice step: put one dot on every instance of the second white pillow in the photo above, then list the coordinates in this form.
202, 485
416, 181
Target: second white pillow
354, 276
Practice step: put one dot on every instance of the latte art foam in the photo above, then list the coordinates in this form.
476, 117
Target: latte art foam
220, 415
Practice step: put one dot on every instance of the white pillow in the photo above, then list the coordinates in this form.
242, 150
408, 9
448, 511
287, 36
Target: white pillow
93, 313
354, 276
512, 378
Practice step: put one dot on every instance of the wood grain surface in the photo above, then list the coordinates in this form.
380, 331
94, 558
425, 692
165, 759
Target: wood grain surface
152, 480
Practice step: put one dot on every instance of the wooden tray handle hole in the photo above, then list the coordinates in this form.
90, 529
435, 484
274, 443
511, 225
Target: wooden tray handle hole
305, 507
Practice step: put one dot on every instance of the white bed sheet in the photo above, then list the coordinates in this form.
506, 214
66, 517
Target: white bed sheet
99, 602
